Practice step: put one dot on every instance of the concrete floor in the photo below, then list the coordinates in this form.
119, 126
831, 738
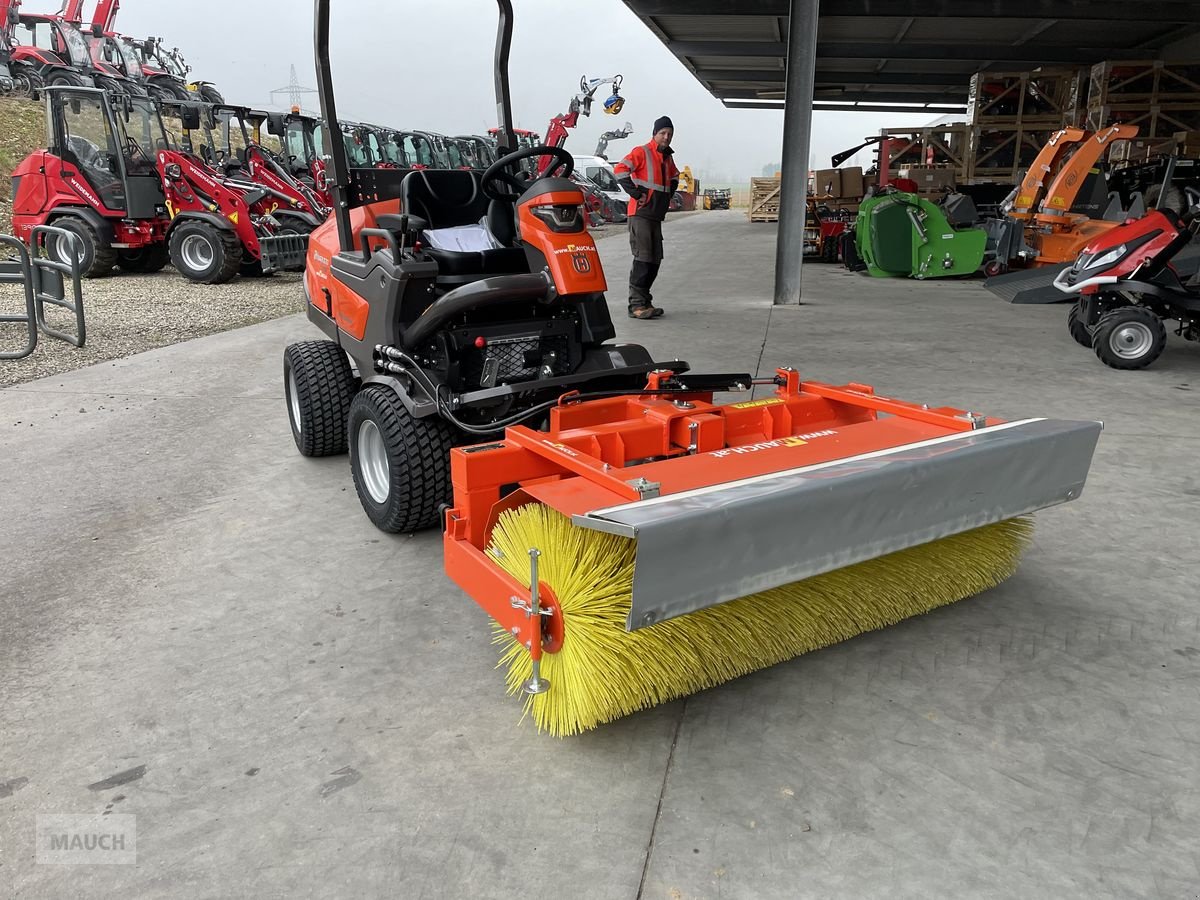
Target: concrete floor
316, 711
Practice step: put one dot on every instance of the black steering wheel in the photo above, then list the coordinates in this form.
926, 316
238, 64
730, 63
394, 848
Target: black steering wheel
504, 171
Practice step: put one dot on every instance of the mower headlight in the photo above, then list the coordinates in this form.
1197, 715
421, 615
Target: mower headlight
560, 217
1105, 259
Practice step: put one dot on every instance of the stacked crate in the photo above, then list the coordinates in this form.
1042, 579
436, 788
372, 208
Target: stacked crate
933, 145
1161, 98
1013, 114
764, 199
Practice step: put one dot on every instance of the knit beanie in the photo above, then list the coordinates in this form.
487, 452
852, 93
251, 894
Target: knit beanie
662, 122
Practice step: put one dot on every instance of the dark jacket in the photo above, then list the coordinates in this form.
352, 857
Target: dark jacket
650, 178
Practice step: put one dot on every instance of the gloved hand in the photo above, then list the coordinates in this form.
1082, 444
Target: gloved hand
639, 193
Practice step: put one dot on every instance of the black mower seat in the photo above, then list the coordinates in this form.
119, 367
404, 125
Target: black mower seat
450, 198
503, 261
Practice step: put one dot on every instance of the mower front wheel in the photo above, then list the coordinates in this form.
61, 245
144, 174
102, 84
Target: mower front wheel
400, 464
203, 253
1131, 337
319, 386
1077, 327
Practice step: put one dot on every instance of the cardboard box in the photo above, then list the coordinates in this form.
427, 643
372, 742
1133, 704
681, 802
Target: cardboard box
827, 182
853, 184
929, 179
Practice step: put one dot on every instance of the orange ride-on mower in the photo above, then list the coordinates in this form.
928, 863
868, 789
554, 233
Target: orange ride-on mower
632, 539
98, 180
457, 330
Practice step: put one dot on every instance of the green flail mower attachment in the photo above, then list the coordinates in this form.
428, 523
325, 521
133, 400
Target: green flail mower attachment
902, 235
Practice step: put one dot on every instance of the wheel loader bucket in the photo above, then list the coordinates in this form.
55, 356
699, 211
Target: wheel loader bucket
283, 252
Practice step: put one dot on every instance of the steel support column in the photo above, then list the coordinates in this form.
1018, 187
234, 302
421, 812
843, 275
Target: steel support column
797, 129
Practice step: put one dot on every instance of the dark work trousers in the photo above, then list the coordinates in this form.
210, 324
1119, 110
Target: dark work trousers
645, 240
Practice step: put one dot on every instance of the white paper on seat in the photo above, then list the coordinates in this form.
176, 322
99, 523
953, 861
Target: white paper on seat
461, 239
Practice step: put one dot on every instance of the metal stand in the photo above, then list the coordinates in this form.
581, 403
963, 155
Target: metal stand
44, 280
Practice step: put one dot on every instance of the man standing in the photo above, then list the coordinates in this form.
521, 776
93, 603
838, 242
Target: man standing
649, 176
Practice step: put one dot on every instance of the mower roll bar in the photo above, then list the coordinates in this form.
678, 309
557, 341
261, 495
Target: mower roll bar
339, 166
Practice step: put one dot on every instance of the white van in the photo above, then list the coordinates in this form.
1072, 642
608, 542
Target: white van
600, 171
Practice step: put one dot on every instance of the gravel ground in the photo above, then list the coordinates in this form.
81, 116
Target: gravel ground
126, 314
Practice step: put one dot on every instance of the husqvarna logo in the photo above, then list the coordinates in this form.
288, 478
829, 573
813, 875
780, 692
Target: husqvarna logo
581, 263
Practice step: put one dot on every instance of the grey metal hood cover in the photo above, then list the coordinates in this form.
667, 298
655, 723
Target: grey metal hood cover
706, 546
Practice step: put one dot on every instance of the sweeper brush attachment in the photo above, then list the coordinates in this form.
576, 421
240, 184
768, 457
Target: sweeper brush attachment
648, 546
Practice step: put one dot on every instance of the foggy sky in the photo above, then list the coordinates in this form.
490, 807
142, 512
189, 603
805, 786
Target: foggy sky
429, 65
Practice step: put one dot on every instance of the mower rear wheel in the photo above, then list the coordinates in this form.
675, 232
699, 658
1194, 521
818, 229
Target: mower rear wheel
144, 260
96, 258
401, 464
1130, 337
319, 386
203, 253
1079, 330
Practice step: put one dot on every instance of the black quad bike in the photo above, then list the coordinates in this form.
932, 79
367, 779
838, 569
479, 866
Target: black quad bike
467, 302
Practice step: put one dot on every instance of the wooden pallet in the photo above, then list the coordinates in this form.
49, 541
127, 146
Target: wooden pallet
764, 200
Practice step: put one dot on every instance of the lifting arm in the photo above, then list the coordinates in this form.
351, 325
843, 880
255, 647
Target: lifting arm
105, 14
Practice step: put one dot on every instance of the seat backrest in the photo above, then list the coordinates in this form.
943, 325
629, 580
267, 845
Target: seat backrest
444, 198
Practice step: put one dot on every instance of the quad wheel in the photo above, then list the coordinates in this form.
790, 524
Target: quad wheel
401, 464
1130, 337
1075, 325
144, 260
318, 385
202, 252
96, 258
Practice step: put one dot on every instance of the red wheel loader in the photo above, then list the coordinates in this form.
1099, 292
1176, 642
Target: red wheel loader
99, 180
231, 230
246, 163
303, 151
632, 538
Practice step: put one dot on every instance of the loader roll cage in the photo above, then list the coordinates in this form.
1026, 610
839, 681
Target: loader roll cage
352, 190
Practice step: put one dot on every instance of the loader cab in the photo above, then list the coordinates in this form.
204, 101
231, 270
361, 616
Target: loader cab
232, 135
57, 37
185, 126
418, 150
295, 136
393, 150
112, 140
116, 53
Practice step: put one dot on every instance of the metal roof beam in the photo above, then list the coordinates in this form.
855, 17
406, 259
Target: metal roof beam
862, 107
1039, 53
826, 96
776, 76
1182, 11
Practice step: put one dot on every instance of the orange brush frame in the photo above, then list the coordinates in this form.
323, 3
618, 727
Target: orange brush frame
605, 452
